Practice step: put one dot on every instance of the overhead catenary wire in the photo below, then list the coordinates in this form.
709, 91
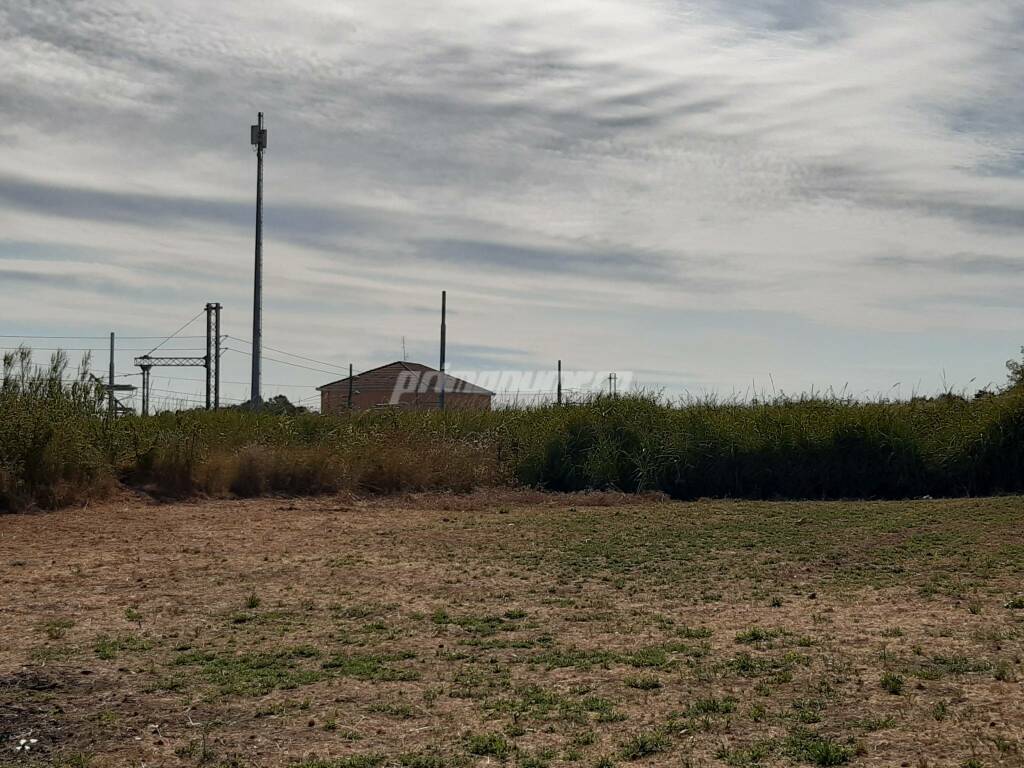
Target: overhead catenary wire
192, 396
292, 354
103, 349
284, 362
131, 338
223, 381
186, 325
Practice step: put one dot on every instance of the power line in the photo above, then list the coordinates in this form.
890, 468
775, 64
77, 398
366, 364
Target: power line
186, 325
200, 381
192, 396
131, 338
285, 362
105, 349
292, 354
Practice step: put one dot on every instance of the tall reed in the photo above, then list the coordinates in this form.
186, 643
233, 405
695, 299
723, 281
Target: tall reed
56, 446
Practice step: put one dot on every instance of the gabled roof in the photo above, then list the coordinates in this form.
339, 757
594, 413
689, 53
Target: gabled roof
383, 378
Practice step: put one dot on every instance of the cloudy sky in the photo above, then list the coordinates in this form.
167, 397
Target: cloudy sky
717, 195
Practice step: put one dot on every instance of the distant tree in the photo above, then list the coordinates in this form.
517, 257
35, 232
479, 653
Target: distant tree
281, 404
277, 404
1015, 372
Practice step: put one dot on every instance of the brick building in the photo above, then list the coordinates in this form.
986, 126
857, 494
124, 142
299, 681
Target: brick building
402, 385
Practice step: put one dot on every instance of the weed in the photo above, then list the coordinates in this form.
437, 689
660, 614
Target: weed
108, 648
371, 666
574, 657
489, 745
809, 747
711, 706
539, 759
1004, 672
56, 629
643, 682
400, 711
892, 683
755, 635
745, 757
352, 761
644, 743
873, 724
423, 760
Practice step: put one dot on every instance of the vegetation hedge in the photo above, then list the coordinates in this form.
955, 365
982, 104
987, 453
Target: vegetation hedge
57, 447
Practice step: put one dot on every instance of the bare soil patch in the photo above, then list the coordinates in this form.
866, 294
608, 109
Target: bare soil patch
523, 629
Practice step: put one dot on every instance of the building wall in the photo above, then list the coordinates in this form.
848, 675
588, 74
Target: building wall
334, 399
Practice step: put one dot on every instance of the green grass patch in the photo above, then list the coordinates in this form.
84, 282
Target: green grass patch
351, 761
372, 666
488, 745
109, 647
254, 674
643, 682
645, 743
809, 747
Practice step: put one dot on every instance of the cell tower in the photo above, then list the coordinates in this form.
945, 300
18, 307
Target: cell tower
258, 138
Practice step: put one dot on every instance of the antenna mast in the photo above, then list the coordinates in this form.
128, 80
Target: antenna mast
258, 138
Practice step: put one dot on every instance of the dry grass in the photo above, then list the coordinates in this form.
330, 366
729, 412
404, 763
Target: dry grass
396, 466
517, 628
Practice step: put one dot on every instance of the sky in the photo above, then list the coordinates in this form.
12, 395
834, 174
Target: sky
727, 197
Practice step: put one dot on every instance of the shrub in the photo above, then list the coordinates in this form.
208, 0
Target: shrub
52, 435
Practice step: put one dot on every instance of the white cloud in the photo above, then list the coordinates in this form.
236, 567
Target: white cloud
567, 169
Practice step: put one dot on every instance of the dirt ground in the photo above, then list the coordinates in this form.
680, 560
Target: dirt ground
514, 628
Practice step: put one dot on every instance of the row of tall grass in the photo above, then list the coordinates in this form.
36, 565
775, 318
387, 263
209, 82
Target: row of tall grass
57, 447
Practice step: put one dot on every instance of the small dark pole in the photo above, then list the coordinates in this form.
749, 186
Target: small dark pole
258, 138
209, 355
110, 380
216, 355
145, 389
444, 308
350, 386
559, 382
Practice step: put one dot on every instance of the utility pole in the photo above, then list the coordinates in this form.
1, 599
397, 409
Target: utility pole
350, 382
145, 389
209, 356
440, 397
110, 382
213, 355
559, 382
258, 138
216, 355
